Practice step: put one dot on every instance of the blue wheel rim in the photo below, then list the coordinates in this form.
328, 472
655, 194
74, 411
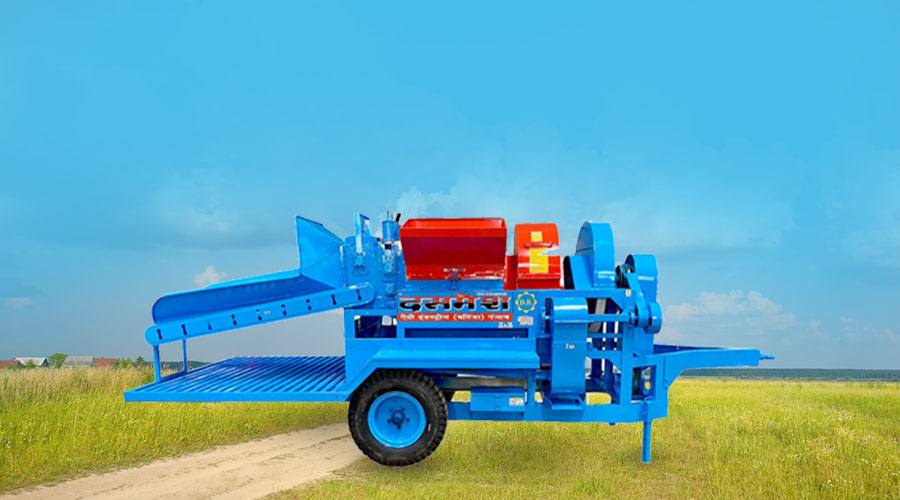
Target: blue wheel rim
396, 419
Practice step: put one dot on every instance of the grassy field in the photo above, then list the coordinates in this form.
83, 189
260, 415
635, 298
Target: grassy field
57, 424
724, 439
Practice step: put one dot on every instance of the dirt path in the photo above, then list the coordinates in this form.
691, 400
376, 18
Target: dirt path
246, 470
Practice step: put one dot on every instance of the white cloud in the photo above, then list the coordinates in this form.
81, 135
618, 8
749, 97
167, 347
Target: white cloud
17, 302
870, 334
816, 332
209, 276
650, 219
655, 221
752, 309
414, 203
515, 200
197, 208
482, 197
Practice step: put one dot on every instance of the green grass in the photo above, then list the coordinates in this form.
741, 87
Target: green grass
58, 424
724, 439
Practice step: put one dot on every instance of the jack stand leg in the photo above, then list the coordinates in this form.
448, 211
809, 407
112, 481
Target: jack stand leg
645, 447
156, 362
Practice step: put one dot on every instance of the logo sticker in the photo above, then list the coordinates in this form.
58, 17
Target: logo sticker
526, 302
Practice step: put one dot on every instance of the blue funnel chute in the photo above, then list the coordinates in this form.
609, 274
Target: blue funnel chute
320, 270
320, 253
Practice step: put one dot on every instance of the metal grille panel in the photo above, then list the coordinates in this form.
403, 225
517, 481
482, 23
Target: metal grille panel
276, 378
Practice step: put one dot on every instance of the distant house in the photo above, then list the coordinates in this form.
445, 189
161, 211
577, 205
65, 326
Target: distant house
37, 361
12, 363
78, 362
104, 362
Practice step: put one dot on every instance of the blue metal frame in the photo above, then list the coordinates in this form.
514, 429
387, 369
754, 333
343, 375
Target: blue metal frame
506, 346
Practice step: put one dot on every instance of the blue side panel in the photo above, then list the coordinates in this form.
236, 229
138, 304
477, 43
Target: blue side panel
497, 399
262, 312
367, 355
287, 378
234, 294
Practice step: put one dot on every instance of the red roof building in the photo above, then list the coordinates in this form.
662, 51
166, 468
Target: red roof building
104, 362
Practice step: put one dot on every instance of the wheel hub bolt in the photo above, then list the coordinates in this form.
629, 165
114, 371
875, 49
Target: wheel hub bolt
397, 418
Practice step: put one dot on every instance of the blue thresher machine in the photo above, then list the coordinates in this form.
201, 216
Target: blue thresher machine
436, 306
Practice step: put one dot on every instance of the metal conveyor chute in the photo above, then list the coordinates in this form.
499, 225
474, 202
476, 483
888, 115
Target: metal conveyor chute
316, 286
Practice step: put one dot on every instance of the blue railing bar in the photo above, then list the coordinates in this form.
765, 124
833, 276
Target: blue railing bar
156, 363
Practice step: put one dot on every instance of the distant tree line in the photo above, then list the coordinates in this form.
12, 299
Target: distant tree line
797, 373
57, 359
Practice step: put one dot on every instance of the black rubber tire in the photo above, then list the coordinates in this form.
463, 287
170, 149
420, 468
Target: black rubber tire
419, 386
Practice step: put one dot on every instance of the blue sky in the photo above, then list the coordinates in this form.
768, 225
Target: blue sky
755, 149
